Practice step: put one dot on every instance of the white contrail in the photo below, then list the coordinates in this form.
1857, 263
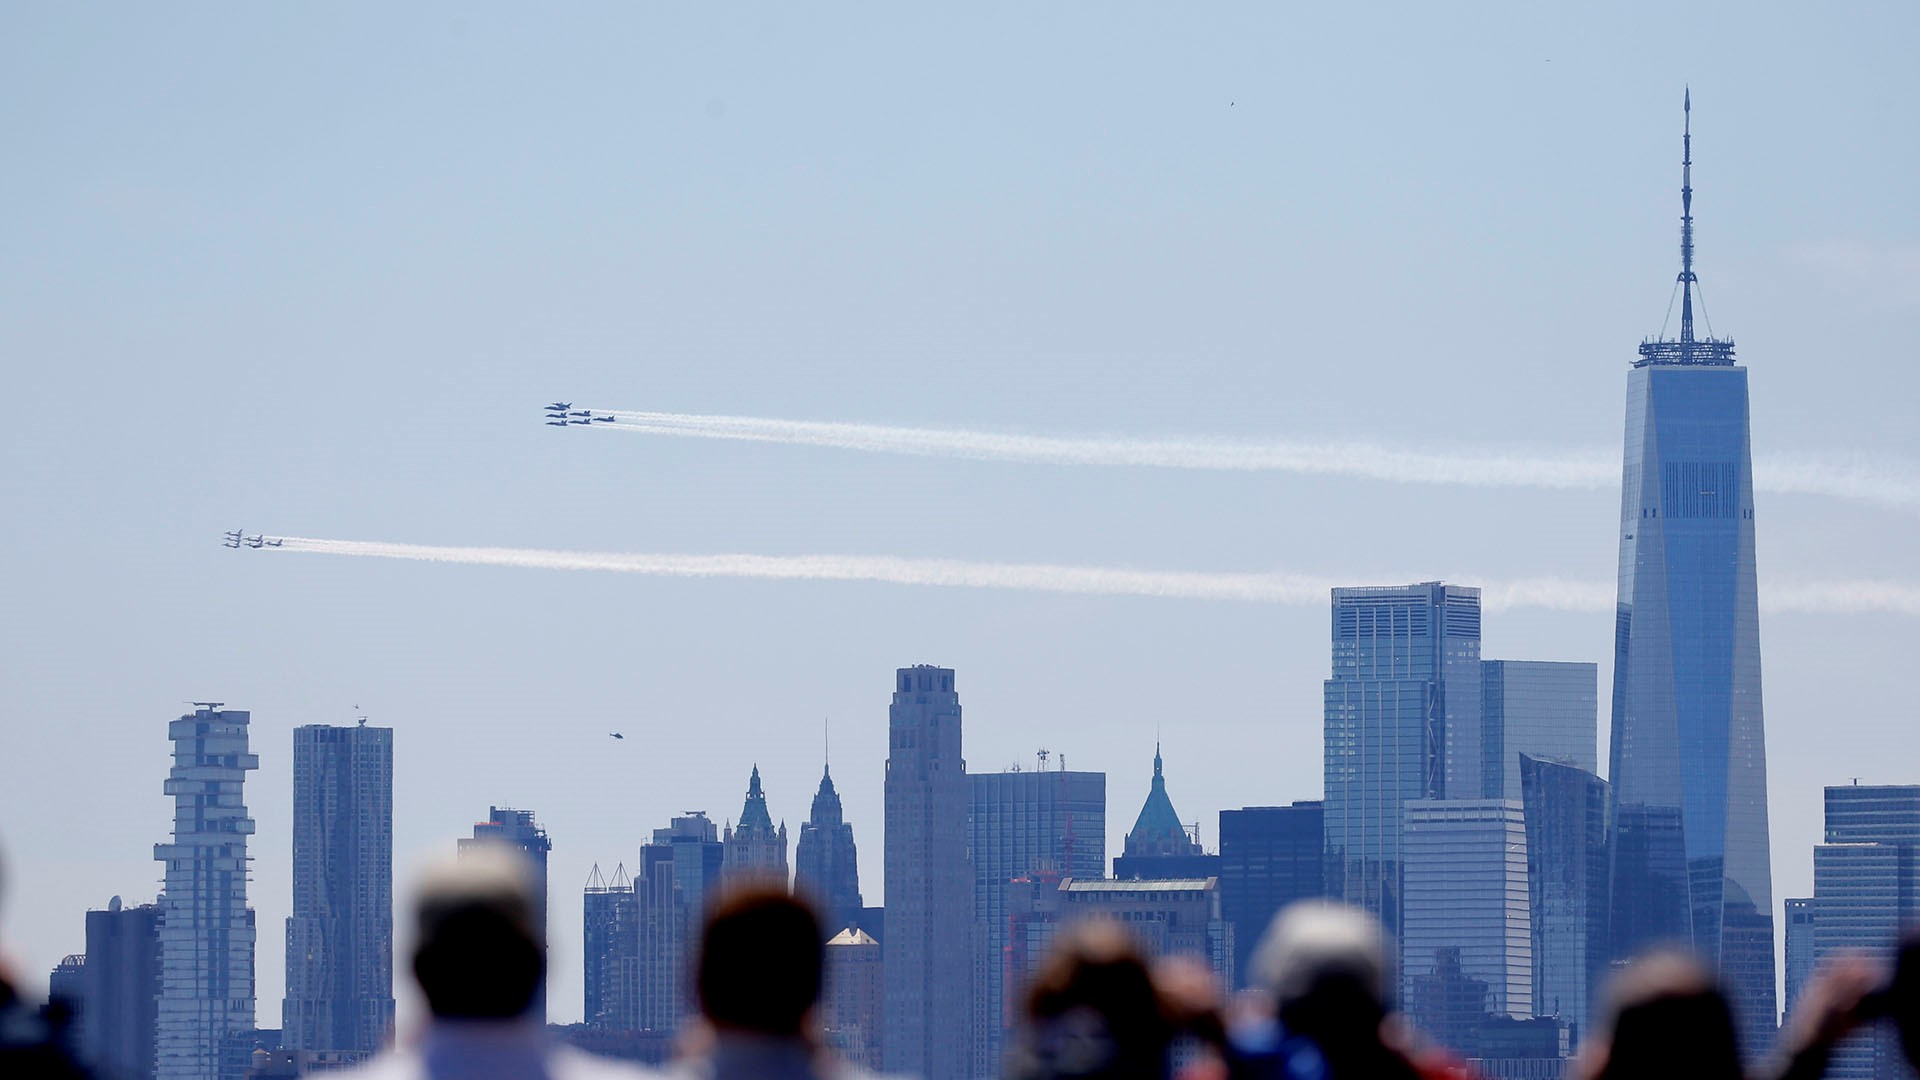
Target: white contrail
1555, 594
1494, 467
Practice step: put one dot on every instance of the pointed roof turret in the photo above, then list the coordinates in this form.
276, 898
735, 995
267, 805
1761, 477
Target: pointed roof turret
826, 802
754, 816
1158, 831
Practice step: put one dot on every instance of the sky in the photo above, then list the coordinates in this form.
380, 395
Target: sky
308, 271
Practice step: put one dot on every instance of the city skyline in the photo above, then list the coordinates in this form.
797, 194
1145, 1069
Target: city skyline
1044, 264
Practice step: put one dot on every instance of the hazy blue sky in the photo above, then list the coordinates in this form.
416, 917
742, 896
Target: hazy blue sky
307, 270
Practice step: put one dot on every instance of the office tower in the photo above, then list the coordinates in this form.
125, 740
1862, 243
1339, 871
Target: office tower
1866, 888
1466, 923
1172, 917
121, 990
67, 985
853, 986
1159, 846
205, 1019
517, 829
826, 866
1799, 960
1545, 709
1402, 722
610, 949
1022, 823
1566, 823
754, 847
340, 936
679, 872
929, 882
1270, 856
1688, 767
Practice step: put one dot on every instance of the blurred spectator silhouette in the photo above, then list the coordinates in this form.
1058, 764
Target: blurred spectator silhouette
33, 1042
762, 957
1663, 1017
479, 958
1324, 968
1093, 1011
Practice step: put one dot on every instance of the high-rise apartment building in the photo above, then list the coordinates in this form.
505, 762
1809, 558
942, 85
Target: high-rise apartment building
826, 864
852, 998
1566, 821
1167, 917
610, 949
205, 1016
1402, 723
1542, 708
1866, 889
1019, 824
1688, 767
753, 846
1799, 948
121, 991
1159, 845
517, 829
679, 873
1270, 856
1467, 920
926, 952
339, 996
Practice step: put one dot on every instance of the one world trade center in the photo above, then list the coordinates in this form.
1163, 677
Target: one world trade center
1689, 768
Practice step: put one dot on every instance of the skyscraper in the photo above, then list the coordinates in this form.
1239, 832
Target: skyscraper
1158, 845
518, 829
826, 865
1402, 723
1799, 958
929, 884
1022, 823
1688, 766
610, 949
122, 990
852, 996
1566, 815
754, 846
1270, 856
679, 872
340, 935
207, 930
1866, 888
1467, 914
1546, 709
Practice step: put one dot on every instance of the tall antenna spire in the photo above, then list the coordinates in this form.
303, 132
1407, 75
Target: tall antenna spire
1689, 349
1686, 218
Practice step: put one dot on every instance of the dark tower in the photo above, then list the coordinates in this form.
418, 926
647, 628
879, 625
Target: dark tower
1689, 770
826, 867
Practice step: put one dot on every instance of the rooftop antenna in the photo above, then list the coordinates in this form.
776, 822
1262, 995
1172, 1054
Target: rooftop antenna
1686, 218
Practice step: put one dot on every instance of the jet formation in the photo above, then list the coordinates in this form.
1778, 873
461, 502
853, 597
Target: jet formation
563, 414
237, 538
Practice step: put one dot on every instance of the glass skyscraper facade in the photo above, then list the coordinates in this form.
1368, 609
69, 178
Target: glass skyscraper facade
205, 1021
1866, 888
1021, 824
679, 872
1270, 856
1688, 761
1566, 816
1542, 708
340, 936
1402, 723
1468, 919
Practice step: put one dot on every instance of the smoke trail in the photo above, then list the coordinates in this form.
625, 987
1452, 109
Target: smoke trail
1511, 467
1554, 594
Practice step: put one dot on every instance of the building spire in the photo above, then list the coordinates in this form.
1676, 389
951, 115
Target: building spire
1689, 349
1686, 217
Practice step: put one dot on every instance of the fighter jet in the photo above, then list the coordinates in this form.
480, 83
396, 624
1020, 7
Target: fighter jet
562, 406
256, 541
581, 412
556, 423
579, 421
232, 539
603, 419
276, 541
